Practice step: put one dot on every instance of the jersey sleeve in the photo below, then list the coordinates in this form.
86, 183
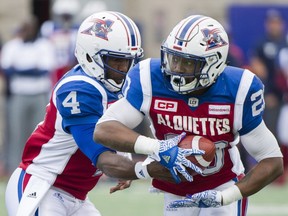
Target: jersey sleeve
253, 107
79, 103
83, 135
132, 89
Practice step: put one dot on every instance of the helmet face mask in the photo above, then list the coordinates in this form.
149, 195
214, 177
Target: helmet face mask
182, 71
104, 36
115, 67
194, 54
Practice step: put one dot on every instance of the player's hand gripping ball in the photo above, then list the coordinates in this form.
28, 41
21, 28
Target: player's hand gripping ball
201, 143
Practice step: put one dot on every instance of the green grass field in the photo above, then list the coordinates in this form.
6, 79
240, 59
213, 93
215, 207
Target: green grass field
137, 201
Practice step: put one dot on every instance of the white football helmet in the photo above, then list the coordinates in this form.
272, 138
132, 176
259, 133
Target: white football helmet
201, 44
103, 35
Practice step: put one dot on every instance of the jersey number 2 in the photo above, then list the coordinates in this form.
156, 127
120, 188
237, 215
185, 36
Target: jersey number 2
258, 102
71, 101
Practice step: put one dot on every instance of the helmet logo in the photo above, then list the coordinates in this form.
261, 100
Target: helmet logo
100, 28
213, 38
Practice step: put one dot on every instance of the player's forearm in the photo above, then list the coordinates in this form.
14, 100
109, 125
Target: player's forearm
157, 171
153, 170
261, 175
115, 135
265, 172
116, 166
120, 167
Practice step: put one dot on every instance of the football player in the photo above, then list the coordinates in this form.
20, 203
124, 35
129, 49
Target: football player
191, 89
61, 163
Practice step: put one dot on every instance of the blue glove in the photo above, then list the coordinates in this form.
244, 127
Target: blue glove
205, 199
174, 158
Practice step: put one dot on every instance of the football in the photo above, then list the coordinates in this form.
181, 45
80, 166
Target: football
201, 143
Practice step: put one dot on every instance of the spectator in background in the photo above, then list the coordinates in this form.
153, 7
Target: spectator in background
235, 53
263, 64
26, 61
282, 84
62, 32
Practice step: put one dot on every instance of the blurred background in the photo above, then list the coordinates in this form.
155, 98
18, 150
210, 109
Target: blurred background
155, 18
258, 41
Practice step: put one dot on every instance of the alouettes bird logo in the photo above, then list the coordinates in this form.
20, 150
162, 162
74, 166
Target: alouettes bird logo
213, 38
99, 28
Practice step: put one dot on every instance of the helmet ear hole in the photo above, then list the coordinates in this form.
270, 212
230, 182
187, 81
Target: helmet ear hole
219, 55
88, 58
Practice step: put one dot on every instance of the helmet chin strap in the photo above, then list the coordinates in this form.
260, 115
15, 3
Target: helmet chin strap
179, 84
178, 81
111, 85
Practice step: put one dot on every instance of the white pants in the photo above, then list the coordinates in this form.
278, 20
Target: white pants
54, 202
234, 209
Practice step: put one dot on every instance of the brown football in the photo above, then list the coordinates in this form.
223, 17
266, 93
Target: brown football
202, 143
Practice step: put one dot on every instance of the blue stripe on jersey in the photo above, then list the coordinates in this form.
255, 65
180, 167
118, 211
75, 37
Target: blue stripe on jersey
186, 28
20, 185
131, 29
133, 92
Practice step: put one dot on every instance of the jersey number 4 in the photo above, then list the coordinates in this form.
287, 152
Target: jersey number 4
71, 101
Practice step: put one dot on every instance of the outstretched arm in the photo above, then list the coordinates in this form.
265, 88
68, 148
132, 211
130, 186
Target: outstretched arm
114, 128
113, 164
115, 135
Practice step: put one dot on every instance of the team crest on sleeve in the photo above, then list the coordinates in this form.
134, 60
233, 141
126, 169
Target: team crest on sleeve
99, 28
213, 38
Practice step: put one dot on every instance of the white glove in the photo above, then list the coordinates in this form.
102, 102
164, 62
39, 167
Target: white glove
174, 158
206, 199
169, 155
209, 198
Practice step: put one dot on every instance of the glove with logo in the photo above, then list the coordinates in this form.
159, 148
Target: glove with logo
209, 198
174, 158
